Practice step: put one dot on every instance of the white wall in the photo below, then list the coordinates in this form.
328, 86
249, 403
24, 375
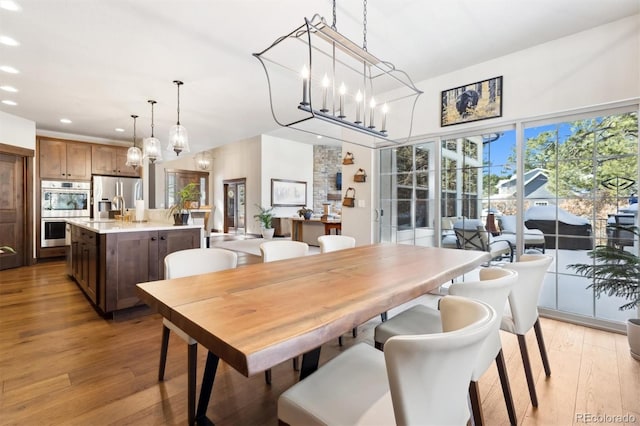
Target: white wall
593, 67
234, 161
17, 131
286, 159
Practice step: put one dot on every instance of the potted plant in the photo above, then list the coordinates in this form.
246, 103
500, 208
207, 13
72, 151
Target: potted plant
305, 212
185, 198
264, 216
616, 272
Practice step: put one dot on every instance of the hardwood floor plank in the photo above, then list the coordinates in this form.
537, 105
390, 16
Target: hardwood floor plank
61, 363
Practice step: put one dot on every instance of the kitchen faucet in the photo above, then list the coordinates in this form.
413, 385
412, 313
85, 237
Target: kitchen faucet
119, 201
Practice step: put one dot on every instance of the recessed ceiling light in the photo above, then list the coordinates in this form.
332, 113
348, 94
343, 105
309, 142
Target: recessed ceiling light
6, 40
10, 70
10, 5
119, 129
9, 89
319, 136
8, 102
65, 121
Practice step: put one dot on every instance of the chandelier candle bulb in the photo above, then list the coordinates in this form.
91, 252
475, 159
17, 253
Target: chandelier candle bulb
385, 110
372, 107
325, 89
343, 90
305, 83
358, 104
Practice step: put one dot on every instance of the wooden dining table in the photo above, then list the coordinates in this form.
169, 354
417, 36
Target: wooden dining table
257, 316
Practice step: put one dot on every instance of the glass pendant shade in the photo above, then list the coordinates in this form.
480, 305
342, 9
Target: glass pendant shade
134, 157
178, 139
151, 145
134, 154
203, 160
152, 149
178, 136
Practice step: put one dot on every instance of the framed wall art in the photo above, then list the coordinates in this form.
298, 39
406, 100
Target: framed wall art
288, 193
472, 102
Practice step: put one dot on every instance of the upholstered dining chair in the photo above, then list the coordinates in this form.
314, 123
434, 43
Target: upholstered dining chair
493, 288
420, 379
522, 313
281, 250
186, 263
329, 243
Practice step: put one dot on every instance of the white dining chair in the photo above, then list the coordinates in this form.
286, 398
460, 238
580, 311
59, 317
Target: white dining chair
522, 313
420, 379
493, 288
281, 250
186, 263
329, 243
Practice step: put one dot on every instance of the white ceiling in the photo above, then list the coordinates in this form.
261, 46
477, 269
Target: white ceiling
97, 62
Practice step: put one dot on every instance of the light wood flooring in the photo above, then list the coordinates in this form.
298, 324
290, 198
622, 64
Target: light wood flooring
61, 363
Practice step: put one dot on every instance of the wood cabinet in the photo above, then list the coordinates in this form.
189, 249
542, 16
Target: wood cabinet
110, 160
64, 160
130, 258
108, 266
84, 260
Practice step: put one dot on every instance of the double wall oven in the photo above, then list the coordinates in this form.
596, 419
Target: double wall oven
61, 200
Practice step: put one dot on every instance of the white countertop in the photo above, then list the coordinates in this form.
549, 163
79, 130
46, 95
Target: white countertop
109, 226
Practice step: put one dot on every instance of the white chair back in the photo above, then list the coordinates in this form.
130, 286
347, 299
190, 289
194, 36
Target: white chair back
330, 243
420, 390
279, 250
197, 261
493, 288
523, 300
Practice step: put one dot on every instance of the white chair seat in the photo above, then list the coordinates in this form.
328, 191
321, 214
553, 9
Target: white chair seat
184, 336
419, 319
364, 399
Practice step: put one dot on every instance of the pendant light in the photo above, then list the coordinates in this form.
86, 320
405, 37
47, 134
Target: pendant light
348, 94
203, 160
178, 136
152, 148
134, 155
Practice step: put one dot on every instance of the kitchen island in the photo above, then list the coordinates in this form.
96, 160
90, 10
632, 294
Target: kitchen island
108, 258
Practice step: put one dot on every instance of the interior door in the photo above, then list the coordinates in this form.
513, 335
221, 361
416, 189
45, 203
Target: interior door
234, 206
12, 210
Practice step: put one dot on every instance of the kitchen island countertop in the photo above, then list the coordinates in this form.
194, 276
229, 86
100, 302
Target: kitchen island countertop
108, 226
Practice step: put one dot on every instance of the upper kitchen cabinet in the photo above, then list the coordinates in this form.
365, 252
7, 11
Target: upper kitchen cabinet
111, 160
64, 160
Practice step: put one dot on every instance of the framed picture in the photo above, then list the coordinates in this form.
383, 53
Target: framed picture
472, 102
288, 193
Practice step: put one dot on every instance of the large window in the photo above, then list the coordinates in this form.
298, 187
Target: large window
178, 179
406, 185
552, 188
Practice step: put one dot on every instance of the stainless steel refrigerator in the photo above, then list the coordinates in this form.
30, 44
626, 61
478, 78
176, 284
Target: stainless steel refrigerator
105, 188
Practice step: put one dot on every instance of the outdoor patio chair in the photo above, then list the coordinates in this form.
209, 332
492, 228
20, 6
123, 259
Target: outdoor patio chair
472, 235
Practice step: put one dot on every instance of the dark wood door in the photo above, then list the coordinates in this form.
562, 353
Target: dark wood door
12, 210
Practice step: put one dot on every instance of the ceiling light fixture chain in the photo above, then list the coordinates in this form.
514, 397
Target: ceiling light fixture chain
364, 27
178, 136
335, 19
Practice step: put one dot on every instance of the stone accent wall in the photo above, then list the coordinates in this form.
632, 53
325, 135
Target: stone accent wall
327, 161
